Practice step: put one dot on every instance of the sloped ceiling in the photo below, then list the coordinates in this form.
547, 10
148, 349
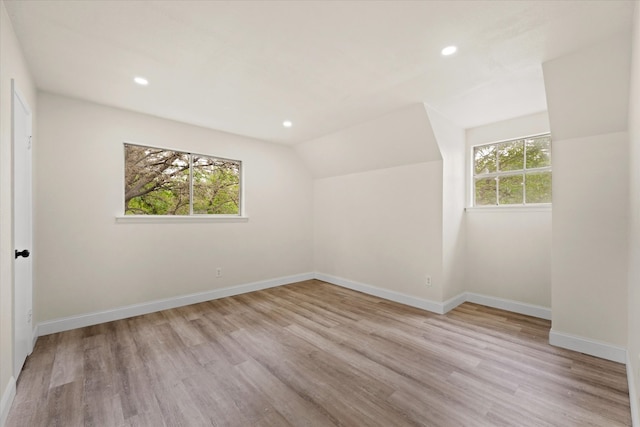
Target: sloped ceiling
244, 66
403, 137
589, 90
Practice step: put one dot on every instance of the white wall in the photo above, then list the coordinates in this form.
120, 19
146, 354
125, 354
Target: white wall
399, 138
390, 227
451, 141
509, 255
633, 336
589, 89
88, 263
382, 228
587, 95
12, 66
509, 250
378, 203
378, 212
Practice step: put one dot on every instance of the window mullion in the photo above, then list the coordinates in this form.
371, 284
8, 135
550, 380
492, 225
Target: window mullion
524, 172
497, 176
540, 169
190, 184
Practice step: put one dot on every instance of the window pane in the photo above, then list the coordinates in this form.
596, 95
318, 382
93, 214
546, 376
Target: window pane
485, 192
511, 156
538, 187
484, 159
500, 168
538, 152
156, 181
510, 190
216, 186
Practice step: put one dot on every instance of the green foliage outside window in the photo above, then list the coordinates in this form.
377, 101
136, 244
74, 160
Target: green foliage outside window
514, 172
165, 182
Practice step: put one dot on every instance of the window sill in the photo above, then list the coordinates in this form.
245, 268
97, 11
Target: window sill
175, 219
504, 209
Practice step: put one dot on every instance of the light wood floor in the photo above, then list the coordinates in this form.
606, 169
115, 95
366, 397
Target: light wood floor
313, 354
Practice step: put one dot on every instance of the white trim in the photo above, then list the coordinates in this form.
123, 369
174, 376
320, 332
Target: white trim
79, 321
543, 207
470, 160
633, 393
34, 337
440, 307
156, 219
452, 303
559, 339
583, 345
425, 304
500, 141
211, 218
510, 305
7, 399
178, 150
588, 346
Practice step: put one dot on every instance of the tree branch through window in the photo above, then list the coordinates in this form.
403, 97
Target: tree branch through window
166, 182
516, 172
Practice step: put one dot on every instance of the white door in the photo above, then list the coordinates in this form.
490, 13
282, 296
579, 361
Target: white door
22, 206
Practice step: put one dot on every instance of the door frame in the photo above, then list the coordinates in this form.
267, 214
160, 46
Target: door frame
18, 360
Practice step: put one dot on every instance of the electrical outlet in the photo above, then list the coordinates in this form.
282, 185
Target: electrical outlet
218, 272
428, 281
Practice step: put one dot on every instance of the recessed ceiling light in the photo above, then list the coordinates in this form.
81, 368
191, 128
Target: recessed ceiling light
449, 50
287, 123
141, 81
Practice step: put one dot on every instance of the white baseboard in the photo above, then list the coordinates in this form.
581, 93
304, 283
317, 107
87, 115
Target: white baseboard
80, 321
7, 400
440, 307
510, 305
425, 304
583, 345
588, 346
34, 338
559, 339
452, 303
633, 393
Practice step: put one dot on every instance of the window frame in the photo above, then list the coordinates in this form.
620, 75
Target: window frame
518, 172
122, 217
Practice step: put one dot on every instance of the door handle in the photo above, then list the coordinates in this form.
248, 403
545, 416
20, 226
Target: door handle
24, 253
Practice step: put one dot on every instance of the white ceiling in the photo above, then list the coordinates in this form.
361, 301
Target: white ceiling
244, 66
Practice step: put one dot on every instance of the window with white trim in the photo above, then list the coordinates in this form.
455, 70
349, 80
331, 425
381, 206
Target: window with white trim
168, 182
514, 172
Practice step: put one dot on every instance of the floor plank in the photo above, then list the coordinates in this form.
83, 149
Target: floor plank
315, 354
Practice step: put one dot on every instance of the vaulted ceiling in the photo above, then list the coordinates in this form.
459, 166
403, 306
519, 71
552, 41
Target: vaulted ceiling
245, 66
